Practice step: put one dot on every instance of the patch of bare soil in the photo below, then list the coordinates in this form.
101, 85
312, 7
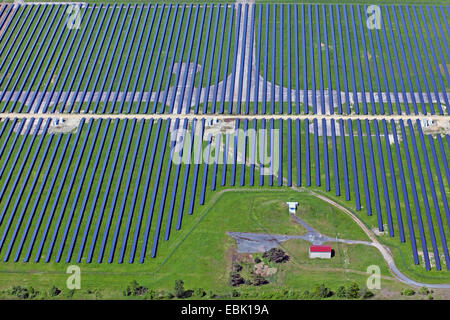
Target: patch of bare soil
66, 126
438, 127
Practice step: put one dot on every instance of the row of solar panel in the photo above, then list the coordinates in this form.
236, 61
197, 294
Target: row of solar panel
71, 179
416, 56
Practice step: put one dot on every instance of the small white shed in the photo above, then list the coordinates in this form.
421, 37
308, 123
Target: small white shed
292, 207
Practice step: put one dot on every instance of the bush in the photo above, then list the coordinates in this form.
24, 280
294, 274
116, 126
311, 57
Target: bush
236, 279
424, 291
259, 280
134, 289
276, 255
211, 295
235, 293
54, 291
179, 289
237, 267
352, 292
23, 293
366, 293
408, 292
69, 293
257, 260
199, 293
430, 297
320, 291
341, 292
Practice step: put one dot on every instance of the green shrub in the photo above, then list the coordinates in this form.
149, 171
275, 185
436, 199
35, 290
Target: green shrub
276, 255
237, 267
134, 289
54, 291
408, 292
235, 279
199, 293
366, 293
341, 292
179, 289
235, 293
423, 291
352, 292
320, 291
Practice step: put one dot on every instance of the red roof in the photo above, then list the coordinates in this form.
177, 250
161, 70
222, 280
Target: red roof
319, 249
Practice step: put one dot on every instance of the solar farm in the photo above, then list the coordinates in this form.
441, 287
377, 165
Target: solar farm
119, 125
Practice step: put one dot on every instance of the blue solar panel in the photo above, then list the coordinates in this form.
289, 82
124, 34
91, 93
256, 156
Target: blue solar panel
56, 196
325, 155
241, 62
210, 65
27, 172
393, 179
262, 151
412, 237
349, 49
253, 155
289, 152
219, 58
344, 159
363, 169
335, 159
405, 62
154, 192
244, 153
414, 193
440, 180
434, 196
316, 152
344, 68
236, 44
298, 154
225, 75
354, 169
68, 192
387, 204
30, 193
374, 175
180, 61
319, 59
197, 161
424, 195
257, 62
164, 192
307, 156
206, 155
188, 152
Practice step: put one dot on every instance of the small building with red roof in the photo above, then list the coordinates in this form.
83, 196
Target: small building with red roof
321, 252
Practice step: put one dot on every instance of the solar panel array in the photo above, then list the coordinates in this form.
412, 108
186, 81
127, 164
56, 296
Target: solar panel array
114, 188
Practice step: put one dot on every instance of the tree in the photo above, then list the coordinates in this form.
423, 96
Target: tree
276, 255
320, 291
408, 292
366, 293
424, 291
237, 267
54, 291
179, 289
134, 289
235, 279
353, 291
341, 292
259, 280
199, 293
